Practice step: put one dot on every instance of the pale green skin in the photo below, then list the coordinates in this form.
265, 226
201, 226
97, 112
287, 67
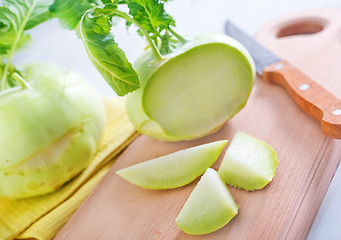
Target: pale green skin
209, 207
175, 169
193, 91
49, 132
249, 163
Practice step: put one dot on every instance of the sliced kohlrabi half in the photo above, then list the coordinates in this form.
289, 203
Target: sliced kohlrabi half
209, 207
175, 169
193, 91
249, 163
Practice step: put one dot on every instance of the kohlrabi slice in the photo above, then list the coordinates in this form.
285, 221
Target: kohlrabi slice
209, 207
193, 91
249, 163
174, 170
49, 130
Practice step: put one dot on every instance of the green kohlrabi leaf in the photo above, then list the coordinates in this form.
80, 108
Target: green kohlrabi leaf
17, 16
103, 51
70, 12
151, 15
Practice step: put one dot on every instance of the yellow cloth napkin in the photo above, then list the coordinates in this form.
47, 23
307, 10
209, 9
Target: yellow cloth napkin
42, 217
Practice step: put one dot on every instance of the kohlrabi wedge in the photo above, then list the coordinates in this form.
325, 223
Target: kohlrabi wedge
249, 163
174, 170
179, 88
209, 207
50, 129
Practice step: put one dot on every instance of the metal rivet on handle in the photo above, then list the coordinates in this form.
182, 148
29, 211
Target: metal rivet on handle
304, 86
279, 66
337, 112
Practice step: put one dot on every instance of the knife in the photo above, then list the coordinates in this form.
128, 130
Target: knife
310, 96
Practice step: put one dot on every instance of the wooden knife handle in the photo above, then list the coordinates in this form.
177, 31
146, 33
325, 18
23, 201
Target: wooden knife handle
310, 96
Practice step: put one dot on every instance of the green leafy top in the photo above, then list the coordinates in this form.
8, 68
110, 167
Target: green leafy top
93, 20
104, 52
151, 15
16, 16
69, 12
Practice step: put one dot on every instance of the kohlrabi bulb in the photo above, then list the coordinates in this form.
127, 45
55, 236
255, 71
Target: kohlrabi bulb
194, 90
48, 131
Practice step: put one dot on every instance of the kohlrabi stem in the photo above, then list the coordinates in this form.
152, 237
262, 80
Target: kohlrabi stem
20, 80
178, 36
14, 45
157, 55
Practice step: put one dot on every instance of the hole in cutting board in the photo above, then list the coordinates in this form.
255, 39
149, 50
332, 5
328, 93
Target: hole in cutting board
302, 27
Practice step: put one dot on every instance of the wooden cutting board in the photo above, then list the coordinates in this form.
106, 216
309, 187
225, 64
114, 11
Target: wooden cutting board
286, 208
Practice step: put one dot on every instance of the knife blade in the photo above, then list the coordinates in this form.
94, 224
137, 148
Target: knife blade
309, 95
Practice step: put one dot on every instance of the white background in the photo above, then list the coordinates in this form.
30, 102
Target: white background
53, 44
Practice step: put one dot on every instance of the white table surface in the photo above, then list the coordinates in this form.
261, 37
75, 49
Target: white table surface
51, 43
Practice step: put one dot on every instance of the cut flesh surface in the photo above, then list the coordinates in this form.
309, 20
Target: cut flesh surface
173, 170
209, 207
249, 163
198, 90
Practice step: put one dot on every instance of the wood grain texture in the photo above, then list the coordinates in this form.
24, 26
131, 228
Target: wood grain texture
286, 208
